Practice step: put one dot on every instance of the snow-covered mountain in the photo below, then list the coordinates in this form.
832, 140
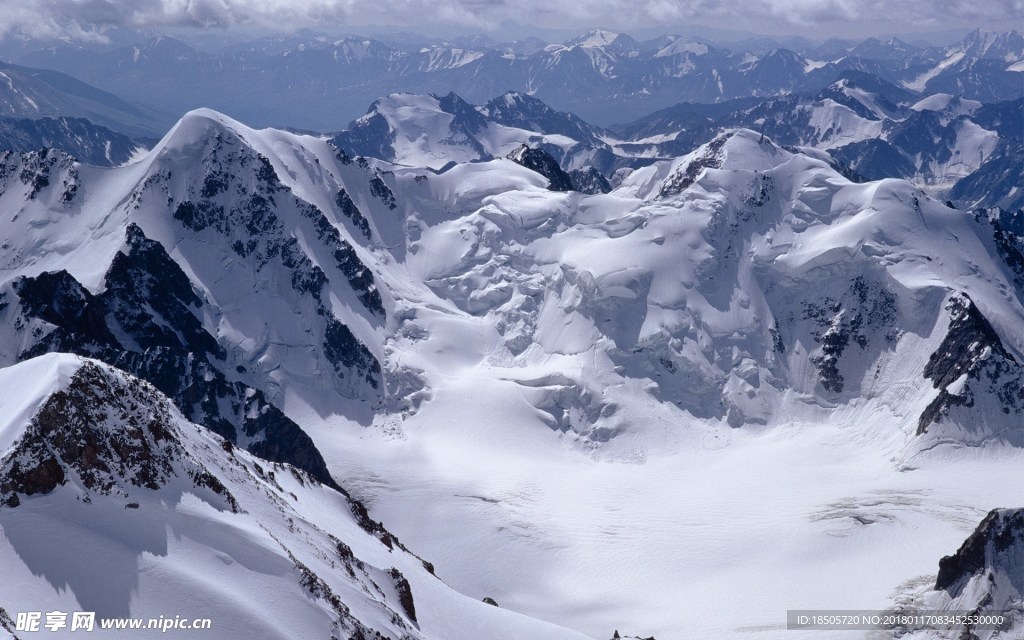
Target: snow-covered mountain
952, 147
431, 131
132, 293
114, 503
737, 362
985, 65
77, 137
40, 93
602, 76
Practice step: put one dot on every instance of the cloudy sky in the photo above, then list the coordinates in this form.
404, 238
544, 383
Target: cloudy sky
88, 19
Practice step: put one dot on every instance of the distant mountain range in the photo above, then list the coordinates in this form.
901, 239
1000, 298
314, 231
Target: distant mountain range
868, 128
37, 93
956, 148
316, 82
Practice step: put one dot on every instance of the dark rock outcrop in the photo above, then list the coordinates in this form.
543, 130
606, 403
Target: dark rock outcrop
540, 161
996, 545
972, 350
589, 180
150, 304
404, 591
109, 431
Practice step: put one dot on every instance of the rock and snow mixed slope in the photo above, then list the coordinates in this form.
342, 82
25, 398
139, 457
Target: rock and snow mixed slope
985, 576
114, 503
431, 131
210, 283
814, 373
725, 281
85, 141
952, 147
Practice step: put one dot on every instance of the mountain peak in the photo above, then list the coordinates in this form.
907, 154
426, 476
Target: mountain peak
980, 43
197, 127
98, 428
594, 38
166, 47
681, 46
540, 161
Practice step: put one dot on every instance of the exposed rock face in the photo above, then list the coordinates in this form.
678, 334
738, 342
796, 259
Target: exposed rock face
151, 306
687, 175
985, 576
370, 135
540, 161
77, 137
867, 310
109, 432
381, 190
997, 545
38, 170
404, 591
1008, 237
589, 181
972, 370
352, 212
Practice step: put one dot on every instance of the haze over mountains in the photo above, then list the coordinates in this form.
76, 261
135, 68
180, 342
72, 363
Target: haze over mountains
317, 82
464, 364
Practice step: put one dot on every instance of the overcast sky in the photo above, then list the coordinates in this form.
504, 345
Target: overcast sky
816, 19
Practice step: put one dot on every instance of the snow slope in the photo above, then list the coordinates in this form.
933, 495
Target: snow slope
636, 327
160, 517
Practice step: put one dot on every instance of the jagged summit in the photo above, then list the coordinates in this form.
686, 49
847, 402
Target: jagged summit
427, 130
541, 162
735, 150
595, 38
97, 430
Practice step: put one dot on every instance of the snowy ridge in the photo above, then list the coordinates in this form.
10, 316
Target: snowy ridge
226, 235
947, 146
178, 520
427, 131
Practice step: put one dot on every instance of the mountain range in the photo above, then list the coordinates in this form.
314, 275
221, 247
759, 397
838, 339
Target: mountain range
319, 83
597, 339
783, 362
868, 129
